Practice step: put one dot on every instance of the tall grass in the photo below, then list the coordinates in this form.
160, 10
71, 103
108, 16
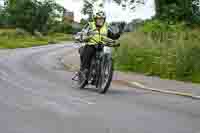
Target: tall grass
171, 55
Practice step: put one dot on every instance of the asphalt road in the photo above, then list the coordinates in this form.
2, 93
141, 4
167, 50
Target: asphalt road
36, 96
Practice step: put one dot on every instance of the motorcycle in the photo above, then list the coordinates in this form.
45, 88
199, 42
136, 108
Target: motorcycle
101, 68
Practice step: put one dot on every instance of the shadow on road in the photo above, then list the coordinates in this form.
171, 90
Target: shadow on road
91, 89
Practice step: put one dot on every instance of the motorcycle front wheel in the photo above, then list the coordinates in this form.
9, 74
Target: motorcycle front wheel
105, 77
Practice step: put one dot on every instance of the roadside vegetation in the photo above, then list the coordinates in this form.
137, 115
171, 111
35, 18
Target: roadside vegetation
172, 55
167, 46
11, 38
27, 23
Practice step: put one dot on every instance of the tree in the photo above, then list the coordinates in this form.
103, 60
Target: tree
196, 12
83, 21
171, 11
132, 4
88, 8
119, 25
174, 10
32, 15
1, 15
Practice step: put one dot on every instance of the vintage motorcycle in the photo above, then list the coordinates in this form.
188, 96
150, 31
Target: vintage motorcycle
101, 68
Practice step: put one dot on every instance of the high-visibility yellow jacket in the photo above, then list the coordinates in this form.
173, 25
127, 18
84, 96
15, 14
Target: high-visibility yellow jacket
99, 34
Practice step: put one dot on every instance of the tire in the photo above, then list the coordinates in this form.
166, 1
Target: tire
82, 86
104, 88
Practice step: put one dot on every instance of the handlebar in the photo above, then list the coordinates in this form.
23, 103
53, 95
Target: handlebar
106, 41
109, 43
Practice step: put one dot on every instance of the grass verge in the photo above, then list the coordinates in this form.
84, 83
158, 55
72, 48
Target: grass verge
174, 57
9, 38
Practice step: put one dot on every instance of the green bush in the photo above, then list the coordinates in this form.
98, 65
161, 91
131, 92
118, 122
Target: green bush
62, 28
162, 26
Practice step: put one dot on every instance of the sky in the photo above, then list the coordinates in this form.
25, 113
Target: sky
113, 11
116, 13
1, 2
73, 5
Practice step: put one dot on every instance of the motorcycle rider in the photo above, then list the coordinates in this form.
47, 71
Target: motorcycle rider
100, 28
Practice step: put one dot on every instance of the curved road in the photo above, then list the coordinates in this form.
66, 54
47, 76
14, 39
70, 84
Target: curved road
36, 96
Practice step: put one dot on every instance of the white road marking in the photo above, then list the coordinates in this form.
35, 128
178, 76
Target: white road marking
189, 94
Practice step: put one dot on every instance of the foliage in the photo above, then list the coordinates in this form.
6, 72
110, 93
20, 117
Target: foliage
174, 56
195, 19
62, 27
171, 11
88, 8
32, 15
10, 38
119, 25
157, 25
131, 4
174, 10
83, 21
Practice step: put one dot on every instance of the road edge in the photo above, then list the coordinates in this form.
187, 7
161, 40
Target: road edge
138, 85
141, 86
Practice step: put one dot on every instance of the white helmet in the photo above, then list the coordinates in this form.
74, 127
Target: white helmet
99, 18
99, 14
